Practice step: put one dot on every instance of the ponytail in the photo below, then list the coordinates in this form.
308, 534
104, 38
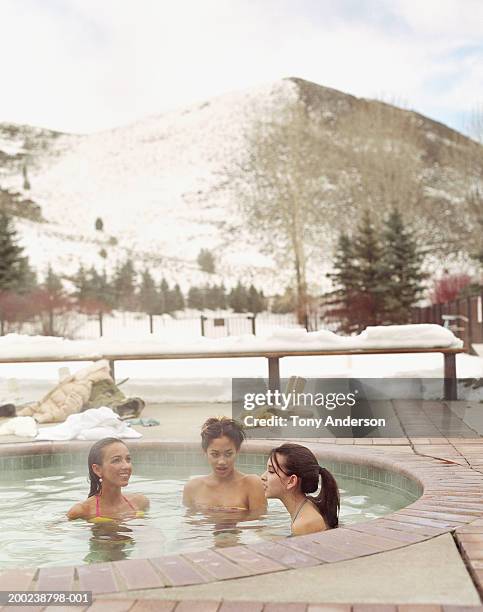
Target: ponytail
328, 500
301, 461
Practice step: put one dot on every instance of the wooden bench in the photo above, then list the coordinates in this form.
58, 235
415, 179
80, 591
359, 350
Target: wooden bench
450, 380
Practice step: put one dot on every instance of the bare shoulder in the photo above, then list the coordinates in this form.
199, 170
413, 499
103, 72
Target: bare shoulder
195, 483
252, 480
191, 488
311, 524
80, 510
140, 501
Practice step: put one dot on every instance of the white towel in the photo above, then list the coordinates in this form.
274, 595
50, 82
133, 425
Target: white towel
22, 426
93, 424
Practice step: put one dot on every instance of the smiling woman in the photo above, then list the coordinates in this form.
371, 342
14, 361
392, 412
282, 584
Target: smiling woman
225, 489
110, 468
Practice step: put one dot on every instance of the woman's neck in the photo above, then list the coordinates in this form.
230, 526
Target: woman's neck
293, 502
110, 494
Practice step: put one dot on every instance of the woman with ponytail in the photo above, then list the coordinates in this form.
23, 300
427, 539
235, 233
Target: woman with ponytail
110, 468
293, 472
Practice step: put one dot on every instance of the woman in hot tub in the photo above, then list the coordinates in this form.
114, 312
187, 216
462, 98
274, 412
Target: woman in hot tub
225, 489
110, 469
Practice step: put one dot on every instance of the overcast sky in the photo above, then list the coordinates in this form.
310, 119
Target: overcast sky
88, 65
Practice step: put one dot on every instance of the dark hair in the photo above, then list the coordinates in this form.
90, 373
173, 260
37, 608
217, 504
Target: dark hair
217, 427
95, 456
301, 461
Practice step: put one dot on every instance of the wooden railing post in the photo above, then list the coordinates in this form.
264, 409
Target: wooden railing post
274, 373
450, 380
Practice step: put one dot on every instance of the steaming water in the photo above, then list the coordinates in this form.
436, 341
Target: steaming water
35, 531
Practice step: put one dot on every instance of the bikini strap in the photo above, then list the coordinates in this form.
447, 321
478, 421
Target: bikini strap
129, 503
299, 509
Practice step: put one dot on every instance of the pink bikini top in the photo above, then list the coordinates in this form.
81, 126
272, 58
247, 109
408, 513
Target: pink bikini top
98, 505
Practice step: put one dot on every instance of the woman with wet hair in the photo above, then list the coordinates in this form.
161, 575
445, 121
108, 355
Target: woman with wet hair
293, 472
225, 488
110, 468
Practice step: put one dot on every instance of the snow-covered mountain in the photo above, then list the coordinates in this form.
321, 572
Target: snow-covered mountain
155, 184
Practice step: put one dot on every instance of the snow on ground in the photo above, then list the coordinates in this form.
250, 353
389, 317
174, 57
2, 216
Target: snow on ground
192, 380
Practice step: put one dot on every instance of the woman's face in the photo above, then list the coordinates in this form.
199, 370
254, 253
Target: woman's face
116, 467
274, 480
221, 454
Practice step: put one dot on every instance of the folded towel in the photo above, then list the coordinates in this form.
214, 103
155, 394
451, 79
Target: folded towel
93, 424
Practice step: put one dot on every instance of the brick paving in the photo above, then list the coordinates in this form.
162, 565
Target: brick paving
154, 605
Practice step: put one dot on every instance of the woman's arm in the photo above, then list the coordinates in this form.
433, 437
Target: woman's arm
188, 493
257, 502
77, 511
141, 501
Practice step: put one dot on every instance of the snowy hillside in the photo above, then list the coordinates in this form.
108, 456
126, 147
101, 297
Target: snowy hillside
155, 186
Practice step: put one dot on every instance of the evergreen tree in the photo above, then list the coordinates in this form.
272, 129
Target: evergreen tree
402, 263
222, 297
358, 298
206, 261
125, 285
52, 283
178, 298
81, 284
164, 297
256, 300
28, 277
211, 300
238, 298
105, 292
196, 298
99, 224
13, 266
340, 301
148, 294
367, 305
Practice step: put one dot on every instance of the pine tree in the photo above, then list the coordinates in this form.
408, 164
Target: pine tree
256, 300
344, 277
28, 277
125, 285
196, 298
148, 294
222, 297
206, 261
53, 284
178, 298
13, 266
99, 224
402, 263
367, 305
238, 298
100, 293
164, 296
211, 299
81, 284
358, 298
